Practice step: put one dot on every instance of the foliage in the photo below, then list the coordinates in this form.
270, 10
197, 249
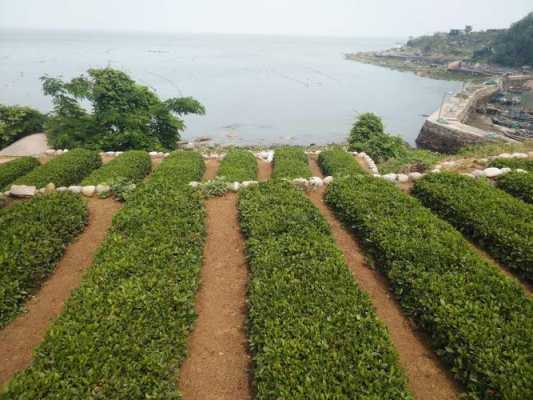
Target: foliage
122, 188
313, 333
124, 115
17, 122
131, 166
514, 47
492, 149
215, 187
517, 184
290, 163
337, 162
478, 320
238, 166
413, 160
67, 169
513, 163
32, 239
16, 168
499, 223
368, 135
124, 330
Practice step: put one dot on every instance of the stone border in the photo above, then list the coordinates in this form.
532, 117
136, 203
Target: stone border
23, 191
312, 183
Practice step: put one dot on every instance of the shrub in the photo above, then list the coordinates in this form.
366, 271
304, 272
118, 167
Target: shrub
17, 122
32, 239
499, 223
368, 135
517, 184
513, 163
124, 330
67, 169
238, 166
337, 162
131, 166
313, 334
478, 321
412, 160
290, 163
16, 168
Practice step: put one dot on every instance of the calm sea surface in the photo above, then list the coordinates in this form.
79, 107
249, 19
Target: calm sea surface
257, 89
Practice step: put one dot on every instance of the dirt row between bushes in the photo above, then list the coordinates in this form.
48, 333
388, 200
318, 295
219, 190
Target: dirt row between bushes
427, 377
218, 362
27, 331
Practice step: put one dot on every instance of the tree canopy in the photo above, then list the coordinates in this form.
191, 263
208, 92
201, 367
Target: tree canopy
108, 110
515, 46
17, 122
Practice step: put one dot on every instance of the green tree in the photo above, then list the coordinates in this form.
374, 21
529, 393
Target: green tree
17, 122
108, 110
515, 46
368, 135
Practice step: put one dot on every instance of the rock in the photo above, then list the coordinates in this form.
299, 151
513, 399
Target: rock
316, 181
88, 191
62, 189
402, 178
519, 155
505, 155
50, 188
194, 184
300, 182
327, 180
22, 191
166, 155
477, 173
118, 153
59, 152
74, 189
234, 187
110, 153
505, 170
435, 171
65, 150
520, 170
483, 161
492, 172
102, 189
390, 177
50, 152
153, 154
42, 191
415, 176
355, 153
160, 154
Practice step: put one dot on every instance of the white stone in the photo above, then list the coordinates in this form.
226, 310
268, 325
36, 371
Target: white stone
153, 153
376, 175
415, 176
316, 181
390, 177
160, 154
166, 155
483, 161
402, 178
519, 155
505, 155
505, 170
327, 180
62, 189
194, 184
22, 191
520, 170
300, 182
88, 191
355, 153
110, 153
65, 150
50, 152
492, 172
234, 187
435, 171
477, 173
75, 189
50, 187
101, 188
59, 152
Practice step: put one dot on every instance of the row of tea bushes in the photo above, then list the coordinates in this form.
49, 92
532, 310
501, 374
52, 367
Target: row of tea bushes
517, 184
499, 223
290, 163
478, 321
313, 334
16, 168
123, 333
238, 166
33, 236
68, 169
338, 162
131, 166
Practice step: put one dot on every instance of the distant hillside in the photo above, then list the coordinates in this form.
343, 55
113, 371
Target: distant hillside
514, 47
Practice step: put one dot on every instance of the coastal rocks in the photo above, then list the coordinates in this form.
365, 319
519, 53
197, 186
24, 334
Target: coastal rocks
22, 191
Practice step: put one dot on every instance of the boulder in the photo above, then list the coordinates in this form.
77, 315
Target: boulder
75, 189
402, 178
102, 189
22, 191
88, 191
492, 172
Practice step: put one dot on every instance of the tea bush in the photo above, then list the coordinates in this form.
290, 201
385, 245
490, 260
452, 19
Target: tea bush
337, 162
123, 333
238, 166
496, 221
517, 184
478, 321
290, 163
67, 169
313, 334
131, 166
16, 168
32, 239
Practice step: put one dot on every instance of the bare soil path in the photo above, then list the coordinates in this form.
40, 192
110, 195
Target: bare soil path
427, 378
31, 145
264, 170
211, 168
22, 335
218, 361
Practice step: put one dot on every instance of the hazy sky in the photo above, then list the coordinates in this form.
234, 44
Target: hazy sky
392, 18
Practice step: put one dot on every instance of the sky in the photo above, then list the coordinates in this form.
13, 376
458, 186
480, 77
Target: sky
359, 18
